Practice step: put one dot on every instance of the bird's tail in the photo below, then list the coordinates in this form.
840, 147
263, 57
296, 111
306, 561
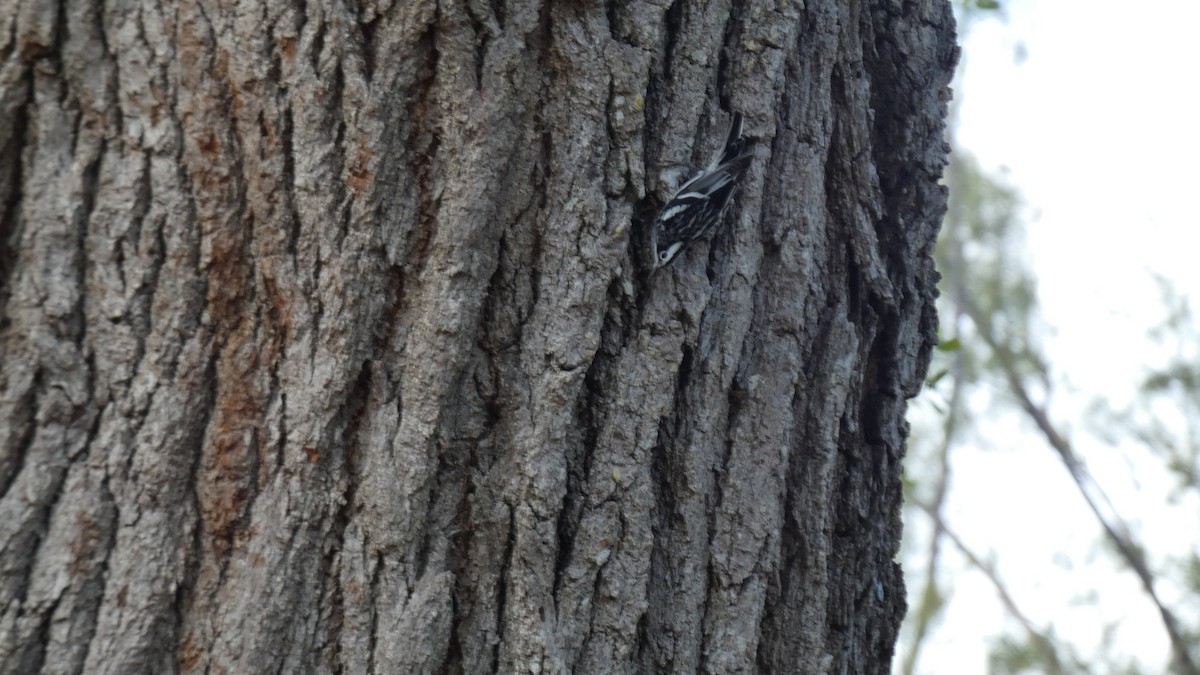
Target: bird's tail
735, 145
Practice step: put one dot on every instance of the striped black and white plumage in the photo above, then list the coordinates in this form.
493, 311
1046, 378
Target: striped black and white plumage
699, 203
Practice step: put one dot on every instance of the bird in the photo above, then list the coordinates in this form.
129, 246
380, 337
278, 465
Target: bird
698, 205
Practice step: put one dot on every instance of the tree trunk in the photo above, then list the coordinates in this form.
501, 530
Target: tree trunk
329, 344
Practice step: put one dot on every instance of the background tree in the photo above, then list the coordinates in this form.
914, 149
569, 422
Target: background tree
995, 388
989, 304
328, 344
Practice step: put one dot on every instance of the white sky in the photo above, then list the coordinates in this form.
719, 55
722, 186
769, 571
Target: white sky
1097, 128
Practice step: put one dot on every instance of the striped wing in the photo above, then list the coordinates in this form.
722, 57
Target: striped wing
700, 202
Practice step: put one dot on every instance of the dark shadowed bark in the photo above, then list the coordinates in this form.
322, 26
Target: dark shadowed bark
329, 344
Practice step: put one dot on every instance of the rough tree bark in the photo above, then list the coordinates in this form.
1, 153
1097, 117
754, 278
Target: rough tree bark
329, 346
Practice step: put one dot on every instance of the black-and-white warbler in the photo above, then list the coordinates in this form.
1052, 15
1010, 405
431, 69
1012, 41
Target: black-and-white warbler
699, 203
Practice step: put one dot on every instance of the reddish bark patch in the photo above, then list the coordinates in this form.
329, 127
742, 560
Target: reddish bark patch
209, 145
287, 47
361, 173
190, 653
83, 547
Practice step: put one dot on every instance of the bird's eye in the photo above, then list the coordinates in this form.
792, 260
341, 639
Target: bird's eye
664, 256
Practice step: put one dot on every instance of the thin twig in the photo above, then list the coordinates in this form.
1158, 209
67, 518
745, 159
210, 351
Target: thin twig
1054, 667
